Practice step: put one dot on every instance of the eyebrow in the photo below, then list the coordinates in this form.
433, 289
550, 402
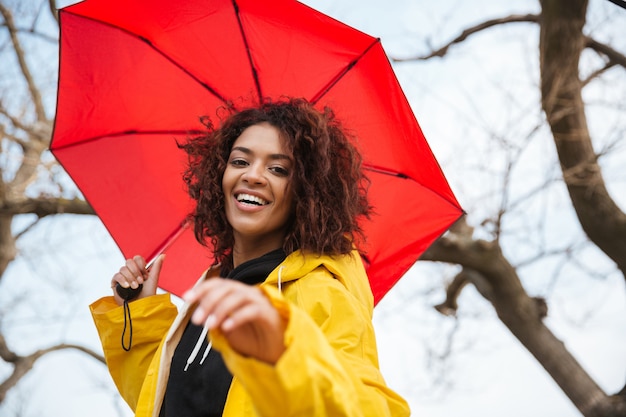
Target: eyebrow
247, 151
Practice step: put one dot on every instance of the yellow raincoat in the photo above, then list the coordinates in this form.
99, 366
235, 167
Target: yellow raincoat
330, 367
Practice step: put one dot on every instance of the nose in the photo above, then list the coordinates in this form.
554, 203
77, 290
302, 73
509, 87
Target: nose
255, 174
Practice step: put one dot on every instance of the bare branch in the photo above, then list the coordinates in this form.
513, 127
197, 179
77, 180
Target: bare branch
6, 135
5, 353
453, 290
26, 229
441, 52
23, 364
614, 57
522, 314
19, 52
561, 44
35, 33
52, 4
17, 123
46, 206
64, 346
597, 73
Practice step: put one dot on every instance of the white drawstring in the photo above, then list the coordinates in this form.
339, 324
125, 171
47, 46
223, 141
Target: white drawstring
205, 330
196, 348
206, 352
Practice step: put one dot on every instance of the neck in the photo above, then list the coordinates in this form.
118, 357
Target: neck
245, 252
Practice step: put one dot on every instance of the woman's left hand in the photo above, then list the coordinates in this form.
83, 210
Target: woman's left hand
250, 323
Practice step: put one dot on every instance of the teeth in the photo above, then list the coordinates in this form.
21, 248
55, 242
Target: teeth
247, 198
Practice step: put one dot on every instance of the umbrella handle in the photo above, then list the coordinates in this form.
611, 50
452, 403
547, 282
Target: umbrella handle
129, 293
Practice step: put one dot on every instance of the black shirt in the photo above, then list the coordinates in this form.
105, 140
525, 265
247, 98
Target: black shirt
201, 390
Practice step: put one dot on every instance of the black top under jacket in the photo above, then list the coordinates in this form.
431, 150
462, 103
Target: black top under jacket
201, 390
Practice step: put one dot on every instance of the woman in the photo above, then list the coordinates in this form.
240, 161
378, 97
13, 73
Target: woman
287, 309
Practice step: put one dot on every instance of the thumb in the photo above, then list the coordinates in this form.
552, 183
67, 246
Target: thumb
155, 270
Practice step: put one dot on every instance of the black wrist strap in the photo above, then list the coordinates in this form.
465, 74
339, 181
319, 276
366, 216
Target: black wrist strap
128, 324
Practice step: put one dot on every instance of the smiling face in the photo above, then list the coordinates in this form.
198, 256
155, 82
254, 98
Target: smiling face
258, 201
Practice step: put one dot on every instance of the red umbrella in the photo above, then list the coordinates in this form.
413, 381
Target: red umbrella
135, 76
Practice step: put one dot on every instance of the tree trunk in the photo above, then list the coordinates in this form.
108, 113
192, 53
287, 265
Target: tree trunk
497, 280
7, 243
561, 43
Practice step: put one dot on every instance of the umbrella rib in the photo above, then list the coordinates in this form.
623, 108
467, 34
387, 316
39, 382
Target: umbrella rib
130, 132
185, 70
385, 172
169, 240
255, 74
404, 176
343, 72
151, 45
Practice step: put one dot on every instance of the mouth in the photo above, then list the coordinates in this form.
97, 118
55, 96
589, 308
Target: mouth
251, 200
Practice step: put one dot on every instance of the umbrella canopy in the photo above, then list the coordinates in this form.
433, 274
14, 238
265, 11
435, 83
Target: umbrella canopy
136, 76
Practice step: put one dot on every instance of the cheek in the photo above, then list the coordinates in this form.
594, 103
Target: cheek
289, 202
226, 180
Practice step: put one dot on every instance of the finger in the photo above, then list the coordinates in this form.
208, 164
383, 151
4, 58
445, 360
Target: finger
215, 298
203, 289
124, 277
140, 262
137, 266
121, 279
130, 275
207, 296
230, 305
155, 269
247, 313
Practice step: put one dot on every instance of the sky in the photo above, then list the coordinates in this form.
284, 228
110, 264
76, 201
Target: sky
444, 366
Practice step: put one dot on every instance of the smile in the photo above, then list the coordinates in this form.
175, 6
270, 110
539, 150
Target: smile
250, 199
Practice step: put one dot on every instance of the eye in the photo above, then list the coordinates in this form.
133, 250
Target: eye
279, 170
238, 162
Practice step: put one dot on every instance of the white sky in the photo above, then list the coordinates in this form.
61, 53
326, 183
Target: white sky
489, 373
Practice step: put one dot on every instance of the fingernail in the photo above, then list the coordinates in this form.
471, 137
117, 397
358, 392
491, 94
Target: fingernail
227, 324
198, 315
210, 322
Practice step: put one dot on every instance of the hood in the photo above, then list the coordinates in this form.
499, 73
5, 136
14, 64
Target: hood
347, 269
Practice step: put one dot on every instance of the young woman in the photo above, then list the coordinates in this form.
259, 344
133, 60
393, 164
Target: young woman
281, 326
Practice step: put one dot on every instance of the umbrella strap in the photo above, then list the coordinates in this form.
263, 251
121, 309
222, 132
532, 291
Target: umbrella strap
128, 324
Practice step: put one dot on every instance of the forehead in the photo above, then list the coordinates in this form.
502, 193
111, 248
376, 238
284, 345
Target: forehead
261, 138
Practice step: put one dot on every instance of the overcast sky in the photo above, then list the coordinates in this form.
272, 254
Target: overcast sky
489, 373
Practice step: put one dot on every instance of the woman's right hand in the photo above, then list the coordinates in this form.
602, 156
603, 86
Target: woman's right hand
134, 272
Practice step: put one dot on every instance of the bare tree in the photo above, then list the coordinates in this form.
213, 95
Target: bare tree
29, 174
562, 40
32, 183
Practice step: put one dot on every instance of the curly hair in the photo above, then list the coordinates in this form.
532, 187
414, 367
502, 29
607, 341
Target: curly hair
328, 185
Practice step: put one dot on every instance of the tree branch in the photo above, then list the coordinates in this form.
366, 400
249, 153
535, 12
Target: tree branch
615, 57
46, 206
19, 52
52, 5
23, 364
17, 123
497, 280
35, 33
561, 44
442, 51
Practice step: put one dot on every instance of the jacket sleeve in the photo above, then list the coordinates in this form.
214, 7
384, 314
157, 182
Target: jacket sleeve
151, 319
330, 367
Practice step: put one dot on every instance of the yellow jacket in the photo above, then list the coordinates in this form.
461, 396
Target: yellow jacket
330, 366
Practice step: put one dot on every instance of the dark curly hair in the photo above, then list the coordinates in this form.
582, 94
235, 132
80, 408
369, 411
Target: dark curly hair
329, 188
